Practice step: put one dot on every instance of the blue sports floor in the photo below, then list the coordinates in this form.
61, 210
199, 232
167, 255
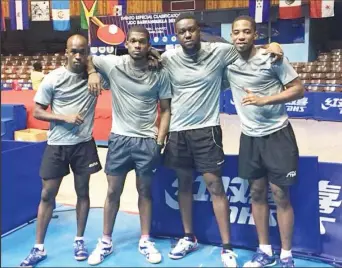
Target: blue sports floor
15, 246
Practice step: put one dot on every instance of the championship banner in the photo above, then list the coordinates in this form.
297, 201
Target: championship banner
110, 31
166, 220
330, 208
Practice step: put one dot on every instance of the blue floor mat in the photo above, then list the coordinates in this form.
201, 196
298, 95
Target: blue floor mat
59, 244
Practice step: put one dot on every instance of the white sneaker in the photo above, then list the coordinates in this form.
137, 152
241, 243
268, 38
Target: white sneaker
228, 258
102, 250
183, 247
148, 249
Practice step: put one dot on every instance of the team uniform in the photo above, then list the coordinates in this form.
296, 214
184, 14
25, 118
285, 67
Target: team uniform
132, 142
195, 137
69, 145
268, 146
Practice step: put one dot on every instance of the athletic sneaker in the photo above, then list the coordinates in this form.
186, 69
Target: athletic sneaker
183, 247
102, 250
35, 257
148, 249
287, 262
261, 259
80, 250
228, 258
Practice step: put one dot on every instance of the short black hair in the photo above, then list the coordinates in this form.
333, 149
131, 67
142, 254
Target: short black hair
184, 16
139, 29
247, 18
37, 66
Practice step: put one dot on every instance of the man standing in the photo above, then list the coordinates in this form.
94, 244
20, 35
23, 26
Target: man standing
195, 138
135, 142
70, 143
268, 149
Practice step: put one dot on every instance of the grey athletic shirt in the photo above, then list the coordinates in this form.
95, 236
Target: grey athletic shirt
67, 93
263, 78
196, 84
135, 95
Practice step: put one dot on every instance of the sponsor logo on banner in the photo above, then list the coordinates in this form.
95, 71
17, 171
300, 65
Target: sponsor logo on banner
238, 194
332, 103
329, 200
297, 105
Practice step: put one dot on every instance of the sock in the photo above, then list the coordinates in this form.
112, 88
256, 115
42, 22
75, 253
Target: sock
39, 246
145, 237
227, 247
107, 239
285, 253
190, 236
78, 238
266, 249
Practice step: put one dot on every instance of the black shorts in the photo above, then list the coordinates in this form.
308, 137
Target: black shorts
128, 153
200, 149
274, 156
82, 158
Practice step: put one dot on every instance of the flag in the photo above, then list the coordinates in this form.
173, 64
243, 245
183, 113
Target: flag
61, 15
88, 9
290, 9
116, 7
19, 14
260, 10
321, 8
40, 10
2, 22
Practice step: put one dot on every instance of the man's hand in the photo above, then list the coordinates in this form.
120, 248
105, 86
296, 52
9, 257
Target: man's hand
94, 84
251, 99
154, 59
275, 50
75, 119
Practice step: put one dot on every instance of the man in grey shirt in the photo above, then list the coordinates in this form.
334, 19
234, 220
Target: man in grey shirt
135, 141
70, 143
268, 149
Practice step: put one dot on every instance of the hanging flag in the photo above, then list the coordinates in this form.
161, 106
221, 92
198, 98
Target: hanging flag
322, 8
116, 7
19, 14
61, 15
2, 21
40, 10
290, 9
88, 9
260, 10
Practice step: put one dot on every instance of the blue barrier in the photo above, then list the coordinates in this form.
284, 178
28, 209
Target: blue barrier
314, 105
20, 182
166, 219
13, 117
330, 201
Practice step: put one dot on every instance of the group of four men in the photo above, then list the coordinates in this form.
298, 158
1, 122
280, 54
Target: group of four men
187, 88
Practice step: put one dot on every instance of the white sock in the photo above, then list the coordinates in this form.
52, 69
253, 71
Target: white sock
77, 238
39, 246
144, 238
266, 249
107, 239
285, 253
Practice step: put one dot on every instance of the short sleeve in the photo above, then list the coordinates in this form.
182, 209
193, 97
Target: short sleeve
165, 91
45, 90
105, 63
226, 52
284, 71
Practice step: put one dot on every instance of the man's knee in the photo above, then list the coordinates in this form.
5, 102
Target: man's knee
216, 188
259, 194
185, 180
281, 197
48, 195
144, 189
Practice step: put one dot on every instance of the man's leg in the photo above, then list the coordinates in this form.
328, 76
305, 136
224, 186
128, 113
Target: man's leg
83, 202
53, 168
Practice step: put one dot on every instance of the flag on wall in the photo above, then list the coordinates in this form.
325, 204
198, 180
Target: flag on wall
290, 9
260, 10
88, 9
2, 21
61, 15
117, 7
40, 10
19, 14
322, 8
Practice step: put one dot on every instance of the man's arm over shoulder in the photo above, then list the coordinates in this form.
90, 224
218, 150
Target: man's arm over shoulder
227, 52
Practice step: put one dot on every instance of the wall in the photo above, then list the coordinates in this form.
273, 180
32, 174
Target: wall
294, 52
